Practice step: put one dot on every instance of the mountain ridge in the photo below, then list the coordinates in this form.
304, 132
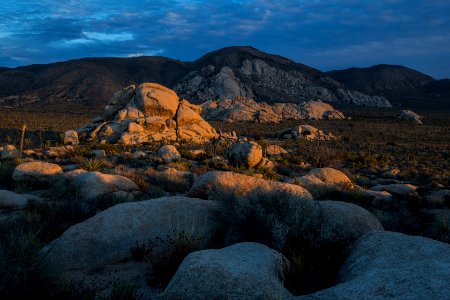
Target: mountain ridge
228, 72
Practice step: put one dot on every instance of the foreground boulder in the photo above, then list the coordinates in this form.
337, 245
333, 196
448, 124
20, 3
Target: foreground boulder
90, 185
11, 200
246, 154
36, 171
409, 115
108, 237
388, 265
146, 113
217, 183
240, 271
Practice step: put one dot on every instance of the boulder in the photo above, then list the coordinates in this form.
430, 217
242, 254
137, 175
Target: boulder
108, 237
156, 100
216, 183
10, 151
409, 115
247, 154
93, 184
169, 153
99, 153
58, 151
10, 200
388, 265
318, 110
438, 197
309, 133
325, 177
341, 222
275, 150
399, 189
36, 171
265, 163
139, 154
71, 137
240, 271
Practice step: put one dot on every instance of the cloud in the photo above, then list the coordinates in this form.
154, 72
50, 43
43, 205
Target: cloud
323, 34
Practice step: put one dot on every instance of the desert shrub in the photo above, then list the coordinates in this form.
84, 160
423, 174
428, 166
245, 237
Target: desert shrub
89, 164
123, 290
137, 175
268, 173
291, 227
164, 265
6, 170
25, 272
170, 182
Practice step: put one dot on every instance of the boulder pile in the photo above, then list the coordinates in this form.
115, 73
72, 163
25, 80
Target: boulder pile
241, 109
149, 112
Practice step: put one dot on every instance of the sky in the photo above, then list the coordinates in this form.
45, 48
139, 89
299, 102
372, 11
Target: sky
326, 35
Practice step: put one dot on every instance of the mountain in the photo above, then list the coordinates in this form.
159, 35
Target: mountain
88, 82
249, 73
402, 86
226, 73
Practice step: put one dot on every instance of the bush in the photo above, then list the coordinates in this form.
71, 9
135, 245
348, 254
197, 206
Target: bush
123, 290
25, 273
291, 227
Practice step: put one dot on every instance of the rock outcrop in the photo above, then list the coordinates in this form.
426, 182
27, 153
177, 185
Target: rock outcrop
409, 115
240, 271
146, 113
248, 73
241, 109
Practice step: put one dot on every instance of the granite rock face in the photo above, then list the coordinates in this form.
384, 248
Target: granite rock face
147, 113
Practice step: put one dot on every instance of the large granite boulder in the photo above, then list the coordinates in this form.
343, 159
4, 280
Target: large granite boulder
108, 237
240, 271
388, 265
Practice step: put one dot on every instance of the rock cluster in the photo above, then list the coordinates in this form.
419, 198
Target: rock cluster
241, 109
409, 115
149, 112
306, 132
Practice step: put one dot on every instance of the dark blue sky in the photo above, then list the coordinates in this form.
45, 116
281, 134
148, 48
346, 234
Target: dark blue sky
326, 35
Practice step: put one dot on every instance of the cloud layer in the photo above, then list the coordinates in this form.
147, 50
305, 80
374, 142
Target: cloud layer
327, 35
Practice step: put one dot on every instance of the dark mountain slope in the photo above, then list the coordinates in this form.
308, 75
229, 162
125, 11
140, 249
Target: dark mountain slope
402, 86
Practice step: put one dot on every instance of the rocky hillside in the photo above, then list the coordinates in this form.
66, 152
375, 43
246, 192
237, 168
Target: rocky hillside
225, 73
401, 85
249, 73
